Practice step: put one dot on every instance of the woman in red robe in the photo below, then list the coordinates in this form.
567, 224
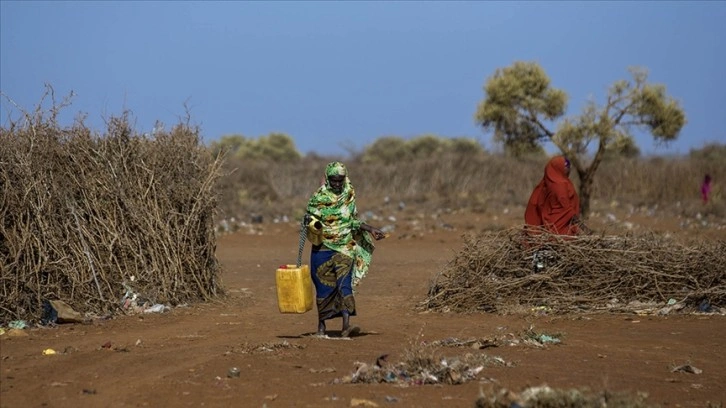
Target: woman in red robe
554, 204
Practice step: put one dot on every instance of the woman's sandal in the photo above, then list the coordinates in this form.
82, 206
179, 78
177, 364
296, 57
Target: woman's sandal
350, 331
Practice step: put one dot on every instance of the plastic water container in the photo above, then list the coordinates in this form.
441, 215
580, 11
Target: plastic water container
294, 289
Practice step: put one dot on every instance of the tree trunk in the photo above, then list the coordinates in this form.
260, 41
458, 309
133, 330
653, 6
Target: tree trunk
586, 179
587, 176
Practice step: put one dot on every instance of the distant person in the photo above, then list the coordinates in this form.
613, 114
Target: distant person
554, 204
706, 188
344, 252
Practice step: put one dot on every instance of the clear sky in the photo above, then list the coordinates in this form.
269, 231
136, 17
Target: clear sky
336, 75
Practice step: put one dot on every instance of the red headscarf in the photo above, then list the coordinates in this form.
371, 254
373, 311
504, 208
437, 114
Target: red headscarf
554, 201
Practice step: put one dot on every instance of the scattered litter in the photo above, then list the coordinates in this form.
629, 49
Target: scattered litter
705, 306
672, 305
157, 308
58, 311
472, 343
687, 368
326, 337
244, 292
322, 370
541, 310
421, 368
233, 372
18, 324
221, 383
49, 315
539, 339
132, 303
270, 347
357, 402
543, 338
48, 352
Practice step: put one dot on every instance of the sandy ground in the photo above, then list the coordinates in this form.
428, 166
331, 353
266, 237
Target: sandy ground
182, 357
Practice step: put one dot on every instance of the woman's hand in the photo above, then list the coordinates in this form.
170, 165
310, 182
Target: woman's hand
377, 233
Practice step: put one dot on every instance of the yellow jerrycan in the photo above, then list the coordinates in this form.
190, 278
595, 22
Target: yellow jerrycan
294, 289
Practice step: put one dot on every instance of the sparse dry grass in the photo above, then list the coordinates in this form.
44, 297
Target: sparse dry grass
478, 183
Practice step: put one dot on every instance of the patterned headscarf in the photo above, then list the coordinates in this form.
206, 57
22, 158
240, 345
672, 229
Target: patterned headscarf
339, 216
335, 169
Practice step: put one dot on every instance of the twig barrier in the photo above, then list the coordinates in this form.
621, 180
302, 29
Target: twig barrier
504, 271
82, 214
87, 252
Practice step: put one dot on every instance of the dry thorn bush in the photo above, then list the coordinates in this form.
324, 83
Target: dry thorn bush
83, 214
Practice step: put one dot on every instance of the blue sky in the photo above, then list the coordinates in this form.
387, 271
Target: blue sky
336, 75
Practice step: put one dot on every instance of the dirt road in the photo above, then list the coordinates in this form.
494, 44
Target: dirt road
182, 358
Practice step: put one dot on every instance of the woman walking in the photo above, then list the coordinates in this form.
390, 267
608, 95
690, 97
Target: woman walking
344, 253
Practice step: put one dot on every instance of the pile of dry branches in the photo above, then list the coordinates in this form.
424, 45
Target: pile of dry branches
545, 397
498, 272
87, 217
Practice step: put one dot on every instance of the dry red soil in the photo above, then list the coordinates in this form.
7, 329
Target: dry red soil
182, 357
